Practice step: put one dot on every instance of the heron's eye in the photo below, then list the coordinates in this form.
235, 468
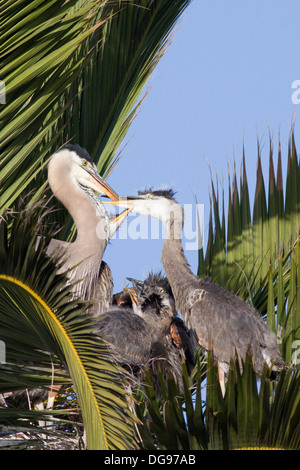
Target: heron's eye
162, 291
149, 196
84, 163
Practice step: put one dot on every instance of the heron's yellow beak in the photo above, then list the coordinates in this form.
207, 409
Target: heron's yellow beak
122, 201
132, 294
102, 185
116, 221
122, 215
104, 188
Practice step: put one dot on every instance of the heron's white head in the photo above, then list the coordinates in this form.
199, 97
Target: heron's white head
73, 162
159, 204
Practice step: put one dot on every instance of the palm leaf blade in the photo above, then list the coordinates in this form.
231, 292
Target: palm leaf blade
59, 335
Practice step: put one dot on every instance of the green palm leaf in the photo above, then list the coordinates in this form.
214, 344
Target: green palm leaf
250, 414
42, 327
257, 257
73, 71
38, 56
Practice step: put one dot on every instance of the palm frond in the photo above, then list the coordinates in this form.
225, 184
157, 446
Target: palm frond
45, 332
73, 71
251, 414
257, 254
38, 50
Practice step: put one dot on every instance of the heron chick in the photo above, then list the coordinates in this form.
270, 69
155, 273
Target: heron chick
179, 341
142, 335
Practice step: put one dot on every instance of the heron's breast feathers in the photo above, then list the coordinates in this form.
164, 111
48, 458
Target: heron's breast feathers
195, 296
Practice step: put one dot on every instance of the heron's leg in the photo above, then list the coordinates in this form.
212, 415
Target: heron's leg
221, 376
51, 397
40, 406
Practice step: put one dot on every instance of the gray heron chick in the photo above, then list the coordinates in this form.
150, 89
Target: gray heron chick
142, 330
223, 322
179, 342
142, 335
134, 340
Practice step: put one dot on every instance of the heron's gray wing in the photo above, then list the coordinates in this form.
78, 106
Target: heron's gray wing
227, 325
128, 336
57, 247
102, 293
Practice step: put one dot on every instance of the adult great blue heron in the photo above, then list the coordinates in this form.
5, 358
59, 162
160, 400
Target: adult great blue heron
73, 178
223, 322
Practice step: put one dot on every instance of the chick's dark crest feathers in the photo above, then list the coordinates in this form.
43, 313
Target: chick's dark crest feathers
156, 285
158, 279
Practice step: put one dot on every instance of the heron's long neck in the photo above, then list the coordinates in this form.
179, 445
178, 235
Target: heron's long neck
92, 223
92, 234
176, 266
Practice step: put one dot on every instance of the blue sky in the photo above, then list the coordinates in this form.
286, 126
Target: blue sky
226, 77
